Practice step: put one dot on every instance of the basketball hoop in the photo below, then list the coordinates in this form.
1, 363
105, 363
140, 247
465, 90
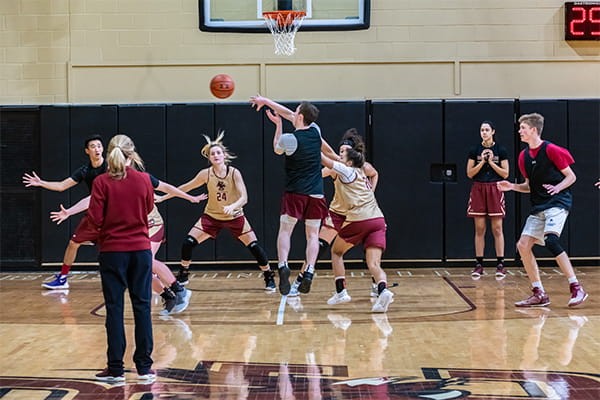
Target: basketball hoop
284, 24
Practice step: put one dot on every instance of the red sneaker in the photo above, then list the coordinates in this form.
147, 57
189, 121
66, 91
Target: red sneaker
500, 272
477, 272
538, 299
578, 295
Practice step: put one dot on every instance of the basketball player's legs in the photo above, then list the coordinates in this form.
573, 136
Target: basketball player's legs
532, 234
249, 239
480, 227
286, 228
195, 236
85, 233
338, 249
498, 233
555, 220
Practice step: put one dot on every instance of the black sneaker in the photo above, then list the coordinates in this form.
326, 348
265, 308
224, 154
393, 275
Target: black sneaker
284, 279
169, 300
183, 276
269, 277
307, 278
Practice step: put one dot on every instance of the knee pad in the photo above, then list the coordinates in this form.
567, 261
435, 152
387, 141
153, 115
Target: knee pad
188, 245
259, 253
323, 247
553, 244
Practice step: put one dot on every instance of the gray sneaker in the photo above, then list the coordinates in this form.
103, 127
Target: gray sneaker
182, 301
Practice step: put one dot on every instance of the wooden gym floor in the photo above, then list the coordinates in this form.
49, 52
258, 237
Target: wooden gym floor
444, 337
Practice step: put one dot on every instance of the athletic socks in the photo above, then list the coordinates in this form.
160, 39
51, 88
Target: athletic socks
381, 286
64, 270
340, 284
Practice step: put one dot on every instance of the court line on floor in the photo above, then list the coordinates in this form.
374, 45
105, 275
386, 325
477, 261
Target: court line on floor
281, 310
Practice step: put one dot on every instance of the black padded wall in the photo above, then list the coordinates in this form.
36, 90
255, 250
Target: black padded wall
584, 144
146, 126
55, 166
19, 206
86, 121
186, 123
555, 130
406, 140
244, 137
462, 120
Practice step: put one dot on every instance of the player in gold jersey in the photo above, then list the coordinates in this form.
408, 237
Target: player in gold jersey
363, 222
226, 197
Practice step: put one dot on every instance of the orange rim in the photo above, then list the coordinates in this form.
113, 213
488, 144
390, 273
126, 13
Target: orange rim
284, 17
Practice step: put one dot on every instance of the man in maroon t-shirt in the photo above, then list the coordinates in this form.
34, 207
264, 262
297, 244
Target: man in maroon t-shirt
548, 177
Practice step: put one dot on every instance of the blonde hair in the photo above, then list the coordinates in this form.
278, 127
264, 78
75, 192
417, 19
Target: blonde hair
534, 120
120, 149
218, 142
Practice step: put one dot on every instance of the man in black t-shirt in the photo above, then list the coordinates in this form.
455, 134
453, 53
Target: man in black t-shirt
85, 232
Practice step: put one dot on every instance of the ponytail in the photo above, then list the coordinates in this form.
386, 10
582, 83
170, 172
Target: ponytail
120, 149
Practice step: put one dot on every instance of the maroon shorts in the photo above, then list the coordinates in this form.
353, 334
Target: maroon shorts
303, 206
371, 232
486, 200
85, 231
237, 226
334, 221
157, 233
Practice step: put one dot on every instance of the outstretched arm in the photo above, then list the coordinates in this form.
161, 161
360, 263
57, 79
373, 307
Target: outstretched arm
64, 213
276, 119
200, 179
506, 186
175, 192
259, 101
328, 151
36, 181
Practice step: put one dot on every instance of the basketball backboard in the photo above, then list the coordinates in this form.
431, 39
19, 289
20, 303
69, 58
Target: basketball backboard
247, 15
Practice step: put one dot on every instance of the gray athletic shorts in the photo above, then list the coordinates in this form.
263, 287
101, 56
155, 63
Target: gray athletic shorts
551, 220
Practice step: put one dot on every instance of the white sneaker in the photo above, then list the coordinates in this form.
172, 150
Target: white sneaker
294, 289
183, 301
383, 301
339, 298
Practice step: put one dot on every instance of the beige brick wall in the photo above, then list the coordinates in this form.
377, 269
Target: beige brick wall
113, 51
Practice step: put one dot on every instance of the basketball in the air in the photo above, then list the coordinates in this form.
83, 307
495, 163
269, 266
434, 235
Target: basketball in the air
222, 86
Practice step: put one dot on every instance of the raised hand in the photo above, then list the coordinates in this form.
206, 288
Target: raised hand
32, 180
257, 101
273, 116
59, 216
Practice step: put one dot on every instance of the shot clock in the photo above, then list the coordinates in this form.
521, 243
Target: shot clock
582, 20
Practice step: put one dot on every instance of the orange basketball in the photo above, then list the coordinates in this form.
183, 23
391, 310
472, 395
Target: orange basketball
222, 86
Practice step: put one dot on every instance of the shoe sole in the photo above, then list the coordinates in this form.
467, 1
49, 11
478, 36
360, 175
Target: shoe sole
532, 305
305, 285
345, 300
270, 290
284, 281
62, 287
111, 379
579, 302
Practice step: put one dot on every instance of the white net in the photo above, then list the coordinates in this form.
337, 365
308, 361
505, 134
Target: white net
284, 25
